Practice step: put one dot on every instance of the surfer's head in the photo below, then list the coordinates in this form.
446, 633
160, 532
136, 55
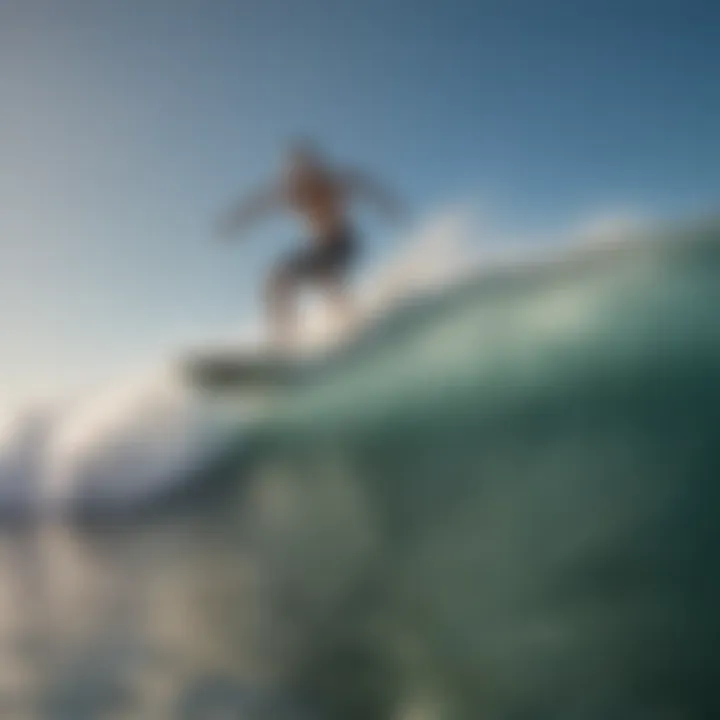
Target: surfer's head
302, 156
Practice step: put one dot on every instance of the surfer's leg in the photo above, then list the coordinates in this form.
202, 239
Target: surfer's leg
325, 265
282, 293
280, 301
340, 303
334, 275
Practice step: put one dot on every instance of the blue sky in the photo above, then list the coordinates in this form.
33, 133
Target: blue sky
124, 126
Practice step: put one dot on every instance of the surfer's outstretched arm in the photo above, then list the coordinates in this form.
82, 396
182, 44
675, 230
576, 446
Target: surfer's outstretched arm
362, 185
248, 211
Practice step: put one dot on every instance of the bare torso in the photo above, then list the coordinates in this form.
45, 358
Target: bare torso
320, 198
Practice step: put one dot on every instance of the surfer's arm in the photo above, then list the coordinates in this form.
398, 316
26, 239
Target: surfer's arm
360, 185
249, 211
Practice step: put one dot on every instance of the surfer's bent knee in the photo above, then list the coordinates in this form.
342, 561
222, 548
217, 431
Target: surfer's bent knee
281, 281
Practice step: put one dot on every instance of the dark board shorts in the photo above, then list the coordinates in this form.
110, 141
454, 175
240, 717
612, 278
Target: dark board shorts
328, 260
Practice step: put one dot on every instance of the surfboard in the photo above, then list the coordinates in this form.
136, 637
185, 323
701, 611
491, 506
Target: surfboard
239, 369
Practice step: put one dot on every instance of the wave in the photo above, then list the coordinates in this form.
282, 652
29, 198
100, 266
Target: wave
115, 451
511, 343
535, 455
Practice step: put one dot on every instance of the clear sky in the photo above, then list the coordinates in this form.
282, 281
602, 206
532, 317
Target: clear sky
126, 124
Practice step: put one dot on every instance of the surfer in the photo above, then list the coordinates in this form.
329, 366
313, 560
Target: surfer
320, 196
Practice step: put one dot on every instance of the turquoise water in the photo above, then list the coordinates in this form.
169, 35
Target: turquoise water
501, 503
